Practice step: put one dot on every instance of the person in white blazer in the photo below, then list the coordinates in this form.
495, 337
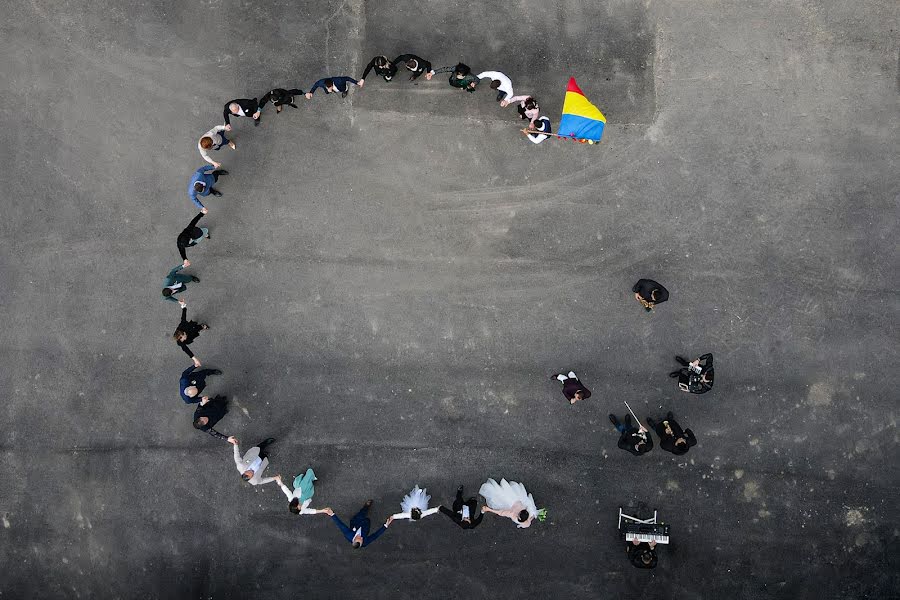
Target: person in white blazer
252, 465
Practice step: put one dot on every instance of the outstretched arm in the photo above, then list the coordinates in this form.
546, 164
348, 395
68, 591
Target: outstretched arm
319, 84
287, 491
348, 533
216, 434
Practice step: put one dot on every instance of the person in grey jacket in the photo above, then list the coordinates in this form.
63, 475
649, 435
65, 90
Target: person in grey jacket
254, 462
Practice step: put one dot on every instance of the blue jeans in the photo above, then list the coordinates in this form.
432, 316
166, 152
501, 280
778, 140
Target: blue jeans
621, 428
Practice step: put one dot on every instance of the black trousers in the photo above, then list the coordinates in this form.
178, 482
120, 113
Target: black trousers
262, 447
458, 504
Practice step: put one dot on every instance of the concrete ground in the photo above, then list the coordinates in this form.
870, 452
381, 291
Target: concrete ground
392, 278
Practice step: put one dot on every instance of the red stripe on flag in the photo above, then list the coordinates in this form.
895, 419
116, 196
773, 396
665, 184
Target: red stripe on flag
573, 87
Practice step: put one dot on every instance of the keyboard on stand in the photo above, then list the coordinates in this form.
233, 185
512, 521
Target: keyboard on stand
646, 533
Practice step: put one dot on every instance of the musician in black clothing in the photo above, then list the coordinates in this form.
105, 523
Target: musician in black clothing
696, 376
636, 440
209, 412
280, 97
417, 65
186, 333
463, 513
649, 293
642, 554
241, 107
671, 437
190, 236
382, 65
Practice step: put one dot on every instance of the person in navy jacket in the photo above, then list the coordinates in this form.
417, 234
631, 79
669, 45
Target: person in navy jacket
193, 382
202, 185
332, 85
358, 532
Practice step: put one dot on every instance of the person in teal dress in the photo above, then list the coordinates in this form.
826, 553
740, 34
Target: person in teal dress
301, 496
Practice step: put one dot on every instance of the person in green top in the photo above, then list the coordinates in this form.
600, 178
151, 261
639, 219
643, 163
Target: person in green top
176, 283
461, 77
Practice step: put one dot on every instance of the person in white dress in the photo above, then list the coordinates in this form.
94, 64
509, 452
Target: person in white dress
509, 499
415, 506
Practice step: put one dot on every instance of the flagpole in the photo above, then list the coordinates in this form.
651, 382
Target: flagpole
556, 135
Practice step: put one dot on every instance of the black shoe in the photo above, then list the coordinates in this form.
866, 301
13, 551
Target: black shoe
215, 372
651, 423
459, 490
670, 416
215, 193
195, 279
266, 442
628, 420
681, 361
344, 94
256, 122
674, 374
613, 419
222, 172
554, 377
204, 326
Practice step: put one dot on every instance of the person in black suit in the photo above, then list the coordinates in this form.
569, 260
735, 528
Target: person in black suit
463, 513
241, 107
208, 413
696, 376
633, 439
671, 437
649, 293
642, 554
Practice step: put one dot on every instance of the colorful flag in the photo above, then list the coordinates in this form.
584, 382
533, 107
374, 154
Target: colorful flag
580, 120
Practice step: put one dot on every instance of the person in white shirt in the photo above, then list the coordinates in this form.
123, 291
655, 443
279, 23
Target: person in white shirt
213, 140
415, 506
300, 497
499, 82
252, 465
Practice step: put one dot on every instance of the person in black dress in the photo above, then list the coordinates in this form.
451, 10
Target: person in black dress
190, 236
672, 438
463, 513
696, 376
382, 65
636, 440
280, 97
573, 389
186, 333
209, 412
649, 293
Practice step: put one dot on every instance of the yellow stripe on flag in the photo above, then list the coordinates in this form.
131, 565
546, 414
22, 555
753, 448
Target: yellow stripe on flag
576, 104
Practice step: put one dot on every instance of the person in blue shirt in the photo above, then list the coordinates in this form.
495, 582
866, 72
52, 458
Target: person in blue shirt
176, 283
358, 532
202, 185
333, 85
193, 382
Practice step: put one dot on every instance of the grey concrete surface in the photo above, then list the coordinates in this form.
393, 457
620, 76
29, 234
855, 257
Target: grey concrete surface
393, 277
